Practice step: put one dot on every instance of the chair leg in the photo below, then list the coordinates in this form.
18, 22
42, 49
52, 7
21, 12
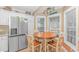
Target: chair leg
40, 47
52, 49
56, 49
32, 48
29, 48
47, 49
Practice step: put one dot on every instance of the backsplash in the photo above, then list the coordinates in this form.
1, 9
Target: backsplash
4, 29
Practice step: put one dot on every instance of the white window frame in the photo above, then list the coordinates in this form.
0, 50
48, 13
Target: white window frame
37, 23
65, 33
54, 15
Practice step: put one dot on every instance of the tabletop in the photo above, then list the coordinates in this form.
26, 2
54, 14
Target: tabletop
45, 35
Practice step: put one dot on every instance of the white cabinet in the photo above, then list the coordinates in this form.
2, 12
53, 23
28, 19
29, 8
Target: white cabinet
4, 43
13, 43
41, 23
22, 42
4, 18
30, 24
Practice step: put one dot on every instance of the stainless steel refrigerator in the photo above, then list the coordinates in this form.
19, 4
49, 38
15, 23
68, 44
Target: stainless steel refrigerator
22, 31
18, 29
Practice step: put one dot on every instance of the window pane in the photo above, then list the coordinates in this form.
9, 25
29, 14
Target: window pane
71, 26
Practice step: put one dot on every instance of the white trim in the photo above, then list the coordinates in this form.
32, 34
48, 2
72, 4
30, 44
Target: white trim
54, 15
68, 43
77, 26
44, 22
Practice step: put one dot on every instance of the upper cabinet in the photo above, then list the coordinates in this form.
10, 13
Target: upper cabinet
54, 23
4, 18
70, 27
41, 23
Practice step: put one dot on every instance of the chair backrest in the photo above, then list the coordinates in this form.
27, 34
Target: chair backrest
57, 40
30, 39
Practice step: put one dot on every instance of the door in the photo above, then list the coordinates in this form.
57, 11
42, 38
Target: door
13, 43
20, 25
0, 43
22, 42
4, 18
4, 43
13, 21
23, 26
71, 27
13, 25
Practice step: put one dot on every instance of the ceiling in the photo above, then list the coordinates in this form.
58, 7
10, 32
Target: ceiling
26, 8
32, 9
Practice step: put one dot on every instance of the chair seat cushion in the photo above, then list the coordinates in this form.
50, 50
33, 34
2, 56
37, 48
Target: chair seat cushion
53, 43
36, 42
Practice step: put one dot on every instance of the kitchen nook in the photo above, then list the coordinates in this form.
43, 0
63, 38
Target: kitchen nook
39, 29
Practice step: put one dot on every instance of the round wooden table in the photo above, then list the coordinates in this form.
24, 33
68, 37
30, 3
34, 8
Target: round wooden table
45, 35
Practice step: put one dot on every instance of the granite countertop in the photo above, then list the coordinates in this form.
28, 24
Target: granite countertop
3, 33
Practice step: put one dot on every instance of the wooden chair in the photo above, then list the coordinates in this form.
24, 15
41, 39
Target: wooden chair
33, 43
54, 44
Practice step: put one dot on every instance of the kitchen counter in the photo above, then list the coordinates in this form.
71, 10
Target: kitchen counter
3, 35
4, 30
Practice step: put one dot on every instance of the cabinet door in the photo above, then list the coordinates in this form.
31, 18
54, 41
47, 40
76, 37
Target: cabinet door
4, 43
13, 44
4, 18
22, 42
0, 44
23, 26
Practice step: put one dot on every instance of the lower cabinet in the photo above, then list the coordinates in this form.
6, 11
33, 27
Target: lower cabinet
4, 43
17, 43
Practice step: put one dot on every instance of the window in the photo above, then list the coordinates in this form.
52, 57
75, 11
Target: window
70, 27
41, 24
54, 23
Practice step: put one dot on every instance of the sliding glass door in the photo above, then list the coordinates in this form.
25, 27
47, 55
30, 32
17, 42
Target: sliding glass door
70, 27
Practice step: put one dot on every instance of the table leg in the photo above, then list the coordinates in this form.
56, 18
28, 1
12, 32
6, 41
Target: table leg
45, 45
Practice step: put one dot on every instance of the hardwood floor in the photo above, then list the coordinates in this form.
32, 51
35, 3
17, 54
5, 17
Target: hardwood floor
27, 50
24, 50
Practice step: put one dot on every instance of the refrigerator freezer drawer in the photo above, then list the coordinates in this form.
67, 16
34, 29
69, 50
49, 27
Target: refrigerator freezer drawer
22, 42
13, 44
